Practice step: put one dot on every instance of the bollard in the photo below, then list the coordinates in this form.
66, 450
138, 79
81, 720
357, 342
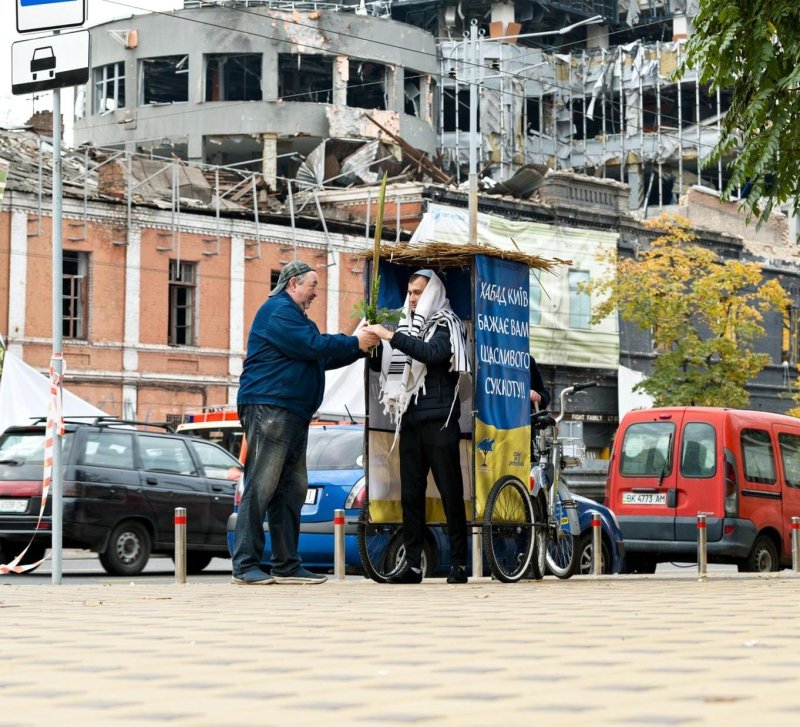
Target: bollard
338, 545
180, 545
796, 544
597, 547
477, 553
702, 543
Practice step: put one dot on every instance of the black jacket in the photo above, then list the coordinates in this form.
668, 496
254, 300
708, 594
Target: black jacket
434, 403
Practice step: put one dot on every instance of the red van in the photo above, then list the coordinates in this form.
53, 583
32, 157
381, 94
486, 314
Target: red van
739, 468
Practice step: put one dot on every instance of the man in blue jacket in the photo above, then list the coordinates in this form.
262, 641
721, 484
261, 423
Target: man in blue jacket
282, 384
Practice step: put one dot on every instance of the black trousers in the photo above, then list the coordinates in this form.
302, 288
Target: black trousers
426, 447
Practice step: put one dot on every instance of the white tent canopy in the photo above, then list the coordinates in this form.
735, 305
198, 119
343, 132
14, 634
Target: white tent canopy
25, 394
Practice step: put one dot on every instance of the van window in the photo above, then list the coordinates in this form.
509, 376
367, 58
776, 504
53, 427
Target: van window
108, 449
698, 450
790, 456
646, 449
759, 464
217, 463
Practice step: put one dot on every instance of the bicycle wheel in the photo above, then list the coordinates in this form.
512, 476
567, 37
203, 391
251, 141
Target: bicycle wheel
508, 539
539, 559
561, 549
374, 540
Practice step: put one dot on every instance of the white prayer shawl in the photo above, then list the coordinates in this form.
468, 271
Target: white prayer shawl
403, 378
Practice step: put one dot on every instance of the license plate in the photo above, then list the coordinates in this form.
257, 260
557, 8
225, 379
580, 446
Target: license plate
311, 496
13, 505
644, 498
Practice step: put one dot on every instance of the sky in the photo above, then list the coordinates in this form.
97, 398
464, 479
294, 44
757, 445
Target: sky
15, 110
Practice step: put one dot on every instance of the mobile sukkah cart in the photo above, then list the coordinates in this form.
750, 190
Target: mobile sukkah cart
488, 288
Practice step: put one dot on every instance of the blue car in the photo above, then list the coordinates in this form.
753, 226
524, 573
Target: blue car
334, 459
613, 547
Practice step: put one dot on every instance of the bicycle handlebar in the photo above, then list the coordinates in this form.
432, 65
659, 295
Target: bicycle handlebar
572, 390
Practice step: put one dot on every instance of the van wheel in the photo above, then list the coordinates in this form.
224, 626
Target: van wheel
763, 558
128, 549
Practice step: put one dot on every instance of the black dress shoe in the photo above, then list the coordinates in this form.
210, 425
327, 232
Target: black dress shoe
406, 575
457, 575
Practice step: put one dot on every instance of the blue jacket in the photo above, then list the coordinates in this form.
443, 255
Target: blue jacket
287, 357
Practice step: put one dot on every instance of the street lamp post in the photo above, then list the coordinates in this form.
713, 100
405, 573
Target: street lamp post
475, 60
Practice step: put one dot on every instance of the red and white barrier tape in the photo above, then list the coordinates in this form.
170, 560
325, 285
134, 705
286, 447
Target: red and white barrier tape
55, 422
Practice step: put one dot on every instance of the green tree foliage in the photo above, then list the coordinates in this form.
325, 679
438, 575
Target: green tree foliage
753, 50
704, 313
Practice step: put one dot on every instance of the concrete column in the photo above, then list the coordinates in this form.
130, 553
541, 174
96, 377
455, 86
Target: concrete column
334, 286
269, 159
18, 279
341, 75
426, 99
236, 339
133, 282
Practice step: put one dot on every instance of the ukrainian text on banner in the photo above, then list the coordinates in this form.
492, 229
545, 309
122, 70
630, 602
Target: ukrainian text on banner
502, 378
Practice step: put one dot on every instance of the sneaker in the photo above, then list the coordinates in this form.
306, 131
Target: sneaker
406, 574
253, 578
302, 577
457, 575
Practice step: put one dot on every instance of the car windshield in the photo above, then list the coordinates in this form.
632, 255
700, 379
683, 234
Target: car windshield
21, 449
334, 449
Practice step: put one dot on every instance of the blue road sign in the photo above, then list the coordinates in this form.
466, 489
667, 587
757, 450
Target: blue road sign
38, 15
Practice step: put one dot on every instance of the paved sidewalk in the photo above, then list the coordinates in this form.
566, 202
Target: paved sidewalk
621, 650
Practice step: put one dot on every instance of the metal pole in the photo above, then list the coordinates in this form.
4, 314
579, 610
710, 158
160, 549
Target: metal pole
702, 543
57, 362
473, 133
180, 545
796, 544
338, 545
597, 547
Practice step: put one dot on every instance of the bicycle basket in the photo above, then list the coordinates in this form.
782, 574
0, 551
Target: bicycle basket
573, 449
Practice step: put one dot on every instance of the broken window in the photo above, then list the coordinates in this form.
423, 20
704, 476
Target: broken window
165, 79
457, 111
366, 88
109, 87
593, 126
305, 78
413, 99
75, 294
233, 77
533, 113
182, 288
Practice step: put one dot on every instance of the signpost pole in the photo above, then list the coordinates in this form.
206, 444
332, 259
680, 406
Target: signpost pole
57, 361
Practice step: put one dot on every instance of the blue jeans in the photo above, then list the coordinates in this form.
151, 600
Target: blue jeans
276, 482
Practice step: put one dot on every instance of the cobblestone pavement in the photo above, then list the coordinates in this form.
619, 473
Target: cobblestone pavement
621, 650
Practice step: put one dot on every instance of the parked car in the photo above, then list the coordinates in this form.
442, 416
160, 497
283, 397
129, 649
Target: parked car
741, 469
612, 543
336, 481
121, 485
334, 460
220, 426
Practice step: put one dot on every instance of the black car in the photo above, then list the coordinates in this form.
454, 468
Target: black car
122, 483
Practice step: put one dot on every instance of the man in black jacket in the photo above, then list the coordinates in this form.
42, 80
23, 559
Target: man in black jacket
420, 392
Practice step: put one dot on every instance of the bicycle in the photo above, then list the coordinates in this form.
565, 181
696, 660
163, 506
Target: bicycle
526, 529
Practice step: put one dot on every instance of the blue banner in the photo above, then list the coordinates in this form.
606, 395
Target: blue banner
502, 342
502, 377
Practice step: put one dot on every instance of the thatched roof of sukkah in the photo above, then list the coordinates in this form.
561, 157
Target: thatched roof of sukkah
447, 254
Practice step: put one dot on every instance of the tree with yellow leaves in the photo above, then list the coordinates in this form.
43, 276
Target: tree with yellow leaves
704, 314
